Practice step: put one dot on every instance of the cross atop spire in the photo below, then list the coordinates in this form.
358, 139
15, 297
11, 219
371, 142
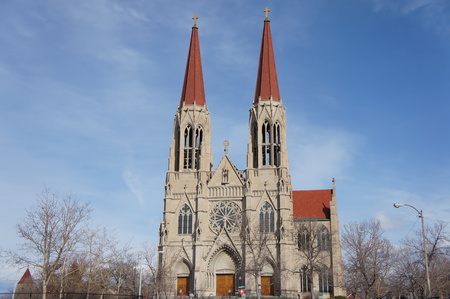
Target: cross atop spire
195, 17
267, 13
267, 81
193, 88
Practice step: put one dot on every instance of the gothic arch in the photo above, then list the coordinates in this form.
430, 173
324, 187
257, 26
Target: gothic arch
183, 268
232, 253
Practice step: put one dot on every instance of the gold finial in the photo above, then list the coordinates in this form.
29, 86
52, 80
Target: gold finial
195, 20
267, 13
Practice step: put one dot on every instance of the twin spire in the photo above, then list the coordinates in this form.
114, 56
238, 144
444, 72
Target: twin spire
266, 82
193, 87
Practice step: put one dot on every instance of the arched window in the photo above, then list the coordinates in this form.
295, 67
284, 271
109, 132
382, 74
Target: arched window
271, 144
185, 221
276, 144
305, 285
177, 149
323, 238
304, 240
325, 281
266, 219
192, 147
198, 144
255, 145
266, 143
188, 147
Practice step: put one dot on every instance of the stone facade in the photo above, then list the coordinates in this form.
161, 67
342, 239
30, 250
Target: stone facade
227, 229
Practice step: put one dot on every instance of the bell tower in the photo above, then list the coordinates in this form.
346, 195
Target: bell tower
267, 151
190, 157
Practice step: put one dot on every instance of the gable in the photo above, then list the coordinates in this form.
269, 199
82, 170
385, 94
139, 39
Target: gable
26, 277
226, 174
312, 203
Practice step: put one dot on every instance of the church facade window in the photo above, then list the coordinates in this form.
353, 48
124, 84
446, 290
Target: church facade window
305, 286
276, 145
225, 214
271, 144
198, 144
185, 221
266, 143
304, 239
325, 281
266, 219
192, 147
255, 145
323, 238
188, 148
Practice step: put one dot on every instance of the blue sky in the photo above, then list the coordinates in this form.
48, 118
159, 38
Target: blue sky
88, 92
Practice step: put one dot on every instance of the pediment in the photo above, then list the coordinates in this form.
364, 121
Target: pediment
226, 174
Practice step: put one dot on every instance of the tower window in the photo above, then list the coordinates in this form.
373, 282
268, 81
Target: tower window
192, 148
266, 144
276, 144
271, 144
198, 144
255, 145
185, 221
266, 219
188, 148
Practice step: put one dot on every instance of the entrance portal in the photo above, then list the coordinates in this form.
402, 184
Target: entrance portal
224, 283
266, 286
183, 286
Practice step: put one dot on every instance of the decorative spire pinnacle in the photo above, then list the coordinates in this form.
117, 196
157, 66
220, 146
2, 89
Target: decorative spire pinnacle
195, 17
267, 81
193, 88
226, 143
267, 14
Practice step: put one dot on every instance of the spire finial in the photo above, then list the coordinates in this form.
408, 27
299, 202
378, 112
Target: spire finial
226, 143
267, 13
195, 20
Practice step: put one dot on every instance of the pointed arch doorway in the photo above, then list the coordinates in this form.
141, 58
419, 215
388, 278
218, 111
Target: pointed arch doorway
225, 272
224, 283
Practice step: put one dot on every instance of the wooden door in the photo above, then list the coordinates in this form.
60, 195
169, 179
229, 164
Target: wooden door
266, 285
183, 286
224, 283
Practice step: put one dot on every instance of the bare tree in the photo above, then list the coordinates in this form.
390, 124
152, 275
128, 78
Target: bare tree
258, 246
165, 281
314, 251
409, 268
51, 230
367, 256
96, 247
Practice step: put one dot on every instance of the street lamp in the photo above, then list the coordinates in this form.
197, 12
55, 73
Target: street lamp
425, 255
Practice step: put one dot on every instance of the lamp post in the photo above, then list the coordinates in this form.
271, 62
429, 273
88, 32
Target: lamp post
425, 254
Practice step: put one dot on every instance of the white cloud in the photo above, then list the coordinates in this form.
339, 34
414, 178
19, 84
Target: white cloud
134, 183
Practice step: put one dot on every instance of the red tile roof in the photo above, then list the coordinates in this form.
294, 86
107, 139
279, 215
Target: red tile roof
312, 203
26, 277
267, 81
193, 87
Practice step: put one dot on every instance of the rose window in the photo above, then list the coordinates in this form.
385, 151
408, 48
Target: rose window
225, 214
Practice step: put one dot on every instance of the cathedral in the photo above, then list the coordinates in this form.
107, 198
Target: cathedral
227, 231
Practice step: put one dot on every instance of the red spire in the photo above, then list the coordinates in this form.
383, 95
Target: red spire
26, 277
193, 88
267, 81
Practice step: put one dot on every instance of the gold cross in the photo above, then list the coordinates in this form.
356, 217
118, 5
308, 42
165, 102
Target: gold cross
195, 20
267, 13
